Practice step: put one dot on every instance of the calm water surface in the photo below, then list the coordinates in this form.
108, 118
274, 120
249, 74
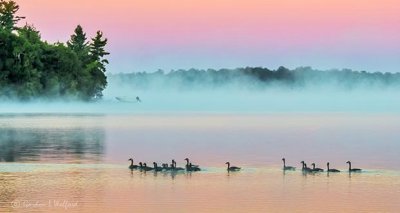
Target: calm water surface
78, 162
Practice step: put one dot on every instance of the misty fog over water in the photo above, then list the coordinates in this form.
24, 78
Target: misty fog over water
247, 90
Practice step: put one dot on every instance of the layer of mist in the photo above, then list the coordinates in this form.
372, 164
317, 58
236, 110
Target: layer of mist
245, 90
258, 80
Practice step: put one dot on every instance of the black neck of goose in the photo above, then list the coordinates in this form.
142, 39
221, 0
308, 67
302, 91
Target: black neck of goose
131, 162
284, 163
327, 166
229, 165
349, 166
187, 162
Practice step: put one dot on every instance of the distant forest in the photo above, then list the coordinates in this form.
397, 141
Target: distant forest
32, 68
258, 78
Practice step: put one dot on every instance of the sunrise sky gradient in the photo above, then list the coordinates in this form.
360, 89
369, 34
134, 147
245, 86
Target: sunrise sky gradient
146, 35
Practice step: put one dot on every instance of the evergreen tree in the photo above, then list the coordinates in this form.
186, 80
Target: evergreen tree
97, 50
31, 68
78, 42
8, 18
97, 67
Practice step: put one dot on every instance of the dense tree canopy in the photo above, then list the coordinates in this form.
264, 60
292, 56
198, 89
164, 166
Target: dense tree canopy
32, 68
256, 78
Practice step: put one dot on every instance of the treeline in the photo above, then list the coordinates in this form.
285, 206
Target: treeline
257, 78
32, 68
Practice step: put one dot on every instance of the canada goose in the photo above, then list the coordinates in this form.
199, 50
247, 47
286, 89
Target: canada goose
304, 167
190, 168
166, 167
146, 168
188, 162
157, 168
353, 170
232, 168
316, 169
287, 167
174, 168
132, 166
331, 170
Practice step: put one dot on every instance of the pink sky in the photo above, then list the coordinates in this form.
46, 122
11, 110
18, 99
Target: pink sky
172, 34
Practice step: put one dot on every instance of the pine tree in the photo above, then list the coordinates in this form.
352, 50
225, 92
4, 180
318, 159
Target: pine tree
8, 17
97, 66
97, 50
78, 42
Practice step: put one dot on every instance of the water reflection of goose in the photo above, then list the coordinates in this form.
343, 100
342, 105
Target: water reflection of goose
331, 170
287, 167
353, 170
304, 167
132, 166
316, 169
232, 168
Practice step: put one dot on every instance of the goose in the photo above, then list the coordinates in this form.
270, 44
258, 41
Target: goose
132, 166
157, 168
188, 162
191, 168
331, 170
308, 169
353, 170
176, 168
287, 167
304, 167
146, 168
165, 166
232, 168
316, 169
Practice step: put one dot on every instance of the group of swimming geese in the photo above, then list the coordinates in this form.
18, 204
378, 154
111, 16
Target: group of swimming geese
313, 169
189, 167
172, 167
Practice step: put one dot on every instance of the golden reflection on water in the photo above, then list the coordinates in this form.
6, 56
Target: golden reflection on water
90, 149
101, 188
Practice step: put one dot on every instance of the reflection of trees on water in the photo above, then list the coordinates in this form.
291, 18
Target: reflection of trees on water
71, 145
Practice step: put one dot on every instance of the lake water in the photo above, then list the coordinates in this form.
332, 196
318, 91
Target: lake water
79, 162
